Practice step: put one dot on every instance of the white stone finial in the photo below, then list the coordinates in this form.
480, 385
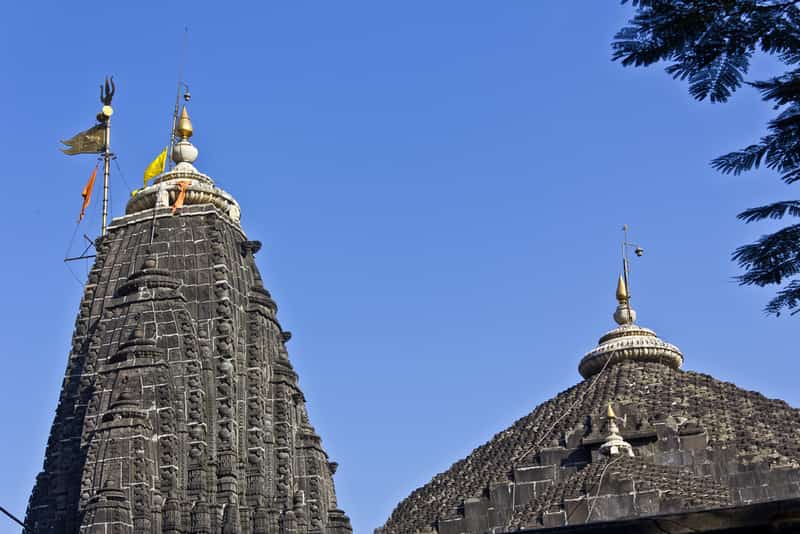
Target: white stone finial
184, 151
614, 444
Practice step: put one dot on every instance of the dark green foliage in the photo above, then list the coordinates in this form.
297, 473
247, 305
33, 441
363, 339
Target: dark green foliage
710, 43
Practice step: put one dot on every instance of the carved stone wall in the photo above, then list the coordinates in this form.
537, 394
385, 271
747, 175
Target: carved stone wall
180, 411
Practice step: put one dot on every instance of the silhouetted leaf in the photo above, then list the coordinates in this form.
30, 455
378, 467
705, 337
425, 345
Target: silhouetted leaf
709, 43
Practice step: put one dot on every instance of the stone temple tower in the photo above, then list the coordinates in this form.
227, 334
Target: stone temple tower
179, 411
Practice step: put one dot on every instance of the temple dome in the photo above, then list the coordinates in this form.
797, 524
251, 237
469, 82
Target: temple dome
628, 341
198, 188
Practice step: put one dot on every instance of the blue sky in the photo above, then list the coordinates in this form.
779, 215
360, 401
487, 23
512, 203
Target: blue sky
439, 187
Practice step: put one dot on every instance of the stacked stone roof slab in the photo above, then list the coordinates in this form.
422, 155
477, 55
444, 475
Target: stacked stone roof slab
698, 443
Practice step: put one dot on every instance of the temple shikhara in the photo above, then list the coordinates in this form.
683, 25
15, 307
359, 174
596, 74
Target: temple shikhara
640, 446
180, 411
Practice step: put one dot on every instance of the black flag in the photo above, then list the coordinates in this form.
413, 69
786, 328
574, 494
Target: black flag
89, 141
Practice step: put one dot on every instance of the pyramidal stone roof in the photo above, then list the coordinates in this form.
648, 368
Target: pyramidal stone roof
180, 411
637, 437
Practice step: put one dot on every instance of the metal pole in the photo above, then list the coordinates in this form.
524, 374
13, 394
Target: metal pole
168, 162
11, 516
106, 170
626, 272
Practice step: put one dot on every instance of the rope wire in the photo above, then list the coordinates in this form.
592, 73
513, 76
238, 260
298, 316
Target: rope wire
122, 175
566, 412
550, 429
15, 519
600, 485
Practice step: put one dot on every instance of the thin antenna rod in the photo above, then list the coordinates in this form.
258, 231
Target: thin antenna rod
626, 271
178, 95
626, 267
625, 264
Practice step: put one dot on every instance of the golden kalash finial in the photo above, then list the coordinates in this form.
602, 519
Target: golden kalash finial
610, 412
624, 313
622, 291
184, 127
183, 151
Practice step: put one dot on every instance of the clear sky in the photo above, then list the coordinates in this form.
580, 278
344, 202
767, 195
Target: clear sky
439, 187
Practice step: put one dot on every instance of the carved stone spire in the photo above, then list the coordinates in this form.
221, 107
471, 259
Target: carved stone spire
179, 389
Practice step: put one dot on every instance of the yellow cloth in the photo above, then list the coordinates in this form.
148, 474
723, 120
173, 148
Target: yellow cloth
156, 167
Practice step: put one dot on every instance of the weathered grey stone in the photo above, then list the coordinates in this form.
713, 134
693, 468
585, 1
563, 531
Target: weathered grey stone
534, 473
179, 411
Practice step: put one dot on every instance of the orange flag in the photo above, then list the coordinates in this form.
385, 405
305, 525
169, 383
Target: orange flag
181, 195
87, 192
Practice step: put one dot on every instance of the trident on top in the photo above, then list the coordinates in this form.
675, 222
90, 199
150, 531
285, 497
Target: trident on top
107, 91
96, 140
